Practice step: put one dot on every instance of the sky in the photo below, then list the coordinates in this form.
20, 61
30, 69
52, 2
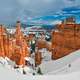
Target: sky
24, 10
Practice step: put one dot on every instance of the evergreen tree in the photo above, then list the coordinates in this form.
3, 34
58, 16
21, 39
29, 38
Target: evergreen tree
24, 72
39, 71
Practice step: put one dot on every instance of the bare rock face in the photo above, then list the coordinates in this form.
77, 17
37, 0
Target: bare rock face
66, 39
13, 46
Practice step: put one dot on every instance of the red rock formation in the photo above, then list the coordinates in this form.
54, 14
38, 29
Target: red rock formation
2, 32
21, 50
14, 46
38, 58
65, 39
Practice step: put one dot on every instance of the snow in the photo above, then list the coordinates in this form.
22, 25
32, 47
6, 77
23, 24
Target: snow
73, 59
3, 61
34, 29
31, 60
19, 70
74, 67
66, 68
72, 76
55, 66
28, 70
10, 62
12, 31
46, 55
6, 74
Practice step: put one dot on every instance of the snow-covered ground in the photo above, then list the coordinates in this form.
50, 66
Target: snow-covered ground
46, 55
67, 68
72, 76
65, 65
62, 65
6, 74
8, 64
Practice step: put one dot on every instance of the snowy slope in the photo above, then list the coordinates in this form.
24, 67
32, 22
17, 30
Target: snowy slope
8, 74
72, 76
7, 69
54, 66
74, 67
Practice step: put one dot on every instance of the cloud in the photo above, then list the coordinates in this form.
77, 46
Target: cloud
8, 11
11, 10
45, 7
56, 22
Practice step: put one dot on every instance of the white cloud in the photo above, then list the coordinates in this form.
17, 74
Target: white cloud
56, 22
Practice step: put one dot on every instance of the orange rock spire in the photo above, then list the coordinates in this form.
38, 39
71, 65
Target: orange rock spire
22, 51
2, 51
13, 46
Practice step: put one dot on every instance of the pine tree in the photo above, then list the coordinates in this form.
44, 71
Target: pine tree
39, 71
24, 72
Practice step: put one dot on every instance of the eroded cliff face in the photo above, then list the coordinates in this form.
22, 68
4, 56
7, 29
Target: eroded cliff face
65, 39
14, 46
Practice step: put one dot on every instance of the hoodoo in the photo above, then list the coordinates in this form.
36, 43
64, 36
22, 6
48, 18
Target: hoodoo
13, 46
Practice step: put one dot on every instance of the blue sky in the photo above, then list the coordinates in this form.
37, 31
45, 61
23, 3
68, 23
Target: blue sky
32, 10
